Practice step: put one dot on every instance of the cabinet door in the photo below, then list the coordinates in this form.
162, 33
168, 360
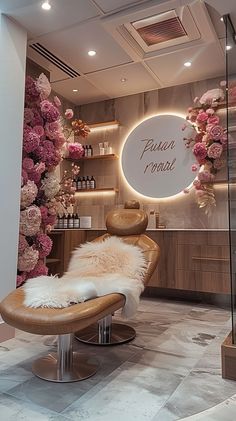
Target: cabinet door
72, 240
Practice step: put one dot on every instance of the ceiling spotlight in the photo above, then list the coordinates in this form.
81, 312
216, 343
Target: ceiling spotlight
92, 53
123, 79
188, 64
46, 5
75, 90
228, 47
222, 19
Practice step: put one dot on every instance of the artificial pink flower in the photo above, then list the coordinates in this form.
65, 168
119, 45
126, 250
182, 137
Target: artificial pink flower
30, 220
20, 279
216, 132
48, 154
28, 194
210, 111
76, 150
28, 115
215, 150
205, 176
52, 130
39, 130
224, 140
202, 117
28, 164
39, 270
37, 119
213, 120
31, 91
219, 163
28, 259
196, 99
194, 167
24, 177
43, 244
49, 112
30, 140
200, 151
43, 86
69, 113
22, 244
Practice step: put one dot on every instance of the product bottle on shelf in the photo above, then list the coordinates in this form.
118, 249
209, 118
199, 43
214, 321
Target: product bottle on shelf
83, 183
88, 183
86, 150
92, 183
65, 221
76, 221
79, 186
70, 221
60, 221
90, 151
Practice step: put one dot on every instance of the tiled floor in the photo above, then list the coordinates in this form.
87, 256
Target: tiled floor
169, 372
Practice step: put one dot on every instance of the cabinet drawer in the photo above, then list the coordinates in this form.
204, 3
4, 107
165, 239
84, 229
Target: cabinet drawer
203, 258
203, 281
220, 238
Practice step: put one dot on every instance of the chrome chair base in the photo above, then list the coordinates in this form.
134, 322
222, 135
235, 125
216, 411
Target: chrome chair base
106, 333
65, 365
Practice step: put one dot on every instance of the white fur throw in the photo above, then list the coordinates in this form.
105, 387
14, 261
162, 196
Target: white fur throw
95, 269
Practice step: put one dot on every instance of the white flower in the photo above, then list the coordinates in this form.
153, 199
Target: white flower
50, 185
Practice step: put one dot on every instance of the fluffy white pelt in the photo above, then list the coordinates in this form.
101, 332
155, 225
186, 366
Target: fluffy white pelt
95, 269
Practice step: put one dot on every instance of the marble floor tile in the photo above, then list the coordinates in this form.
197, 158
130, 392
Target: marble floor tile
226, 411
12, 409
199, 391
136, 393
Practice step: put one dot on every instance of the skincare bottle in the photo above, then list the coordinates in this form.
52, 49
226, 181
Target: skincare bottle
90, 151
92, 183
88, 183
157, 219
83, 183
76, 221
65, 221
70, 221
106, 148
60, 221
79, 183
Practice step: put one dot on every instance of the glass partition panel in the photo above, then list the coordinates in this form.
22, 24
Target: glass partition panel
231, 156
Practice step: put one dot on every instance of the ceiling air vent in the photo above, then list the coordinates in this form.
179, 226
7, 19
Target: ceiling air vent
160, 28
44, 52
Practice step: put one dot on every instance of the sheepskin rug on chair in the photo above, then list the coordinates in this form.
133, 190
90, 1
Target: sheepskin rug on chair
95, 269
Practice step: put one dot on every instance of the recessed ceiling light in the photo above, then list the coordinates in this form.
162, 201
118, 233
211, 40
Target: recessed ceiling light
188, 64
75, 90
46, 5
92, 53
222, 19
228, 47
123, 79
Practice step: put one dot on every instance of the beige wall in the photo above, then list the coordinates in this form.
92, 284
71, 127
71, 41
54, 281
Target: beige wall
174, 213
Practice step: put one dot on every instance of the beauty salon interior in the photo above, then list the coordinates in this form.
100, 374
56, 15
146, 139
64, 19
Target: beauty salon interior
118, 246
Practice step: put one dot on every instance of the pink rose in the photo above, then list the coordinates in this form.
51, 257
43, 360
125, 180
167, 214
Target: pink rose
194, 167
28, 115
219, 163
200, 151
215, 150
205, 176
210, 111
213, 120
28, 164
39, 130
216, 132
69, 113
202, 117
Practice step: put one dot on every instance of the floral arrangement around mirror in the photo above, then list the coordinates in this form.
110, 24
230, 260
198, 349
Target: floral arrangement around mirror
208, 144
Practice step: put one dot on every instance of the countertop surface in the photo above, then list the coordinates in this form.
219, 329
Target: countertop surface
148, 229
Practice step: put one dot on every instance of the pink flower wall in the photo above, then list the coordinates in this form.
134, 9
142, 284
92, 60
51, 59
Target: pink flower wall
43, 140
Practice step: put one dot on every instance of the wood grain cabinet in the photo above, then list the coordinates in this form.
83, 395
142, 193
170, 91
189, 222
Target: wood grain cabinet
193, 261
64, 242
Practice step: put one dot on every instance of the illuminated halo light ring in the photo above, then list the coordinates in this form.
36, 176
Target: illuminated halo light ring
130, 169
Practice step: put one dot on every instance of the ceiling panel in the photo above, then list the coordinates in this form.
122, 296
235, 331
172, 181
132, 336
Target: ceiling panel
207, 61
110, 5
86, 91
138, 79
38, 21
7, 5
73, 44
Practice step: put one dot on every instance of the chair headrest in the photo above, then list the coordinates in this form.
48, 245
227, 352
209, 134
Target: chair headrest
126, 222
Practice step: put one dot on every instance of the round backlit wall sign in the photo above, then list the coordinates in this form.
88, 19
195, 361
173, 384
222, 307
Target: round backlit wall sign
155, 160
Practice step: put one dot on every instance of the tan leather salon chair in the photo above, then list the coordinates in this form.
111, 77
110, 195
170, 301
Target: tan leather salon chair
67, 365
130, 224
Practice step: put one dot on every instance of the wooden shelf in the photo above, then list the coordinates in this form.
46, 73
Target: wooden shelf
90, 158
103, 190
212, 259
52, 260
104, 125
